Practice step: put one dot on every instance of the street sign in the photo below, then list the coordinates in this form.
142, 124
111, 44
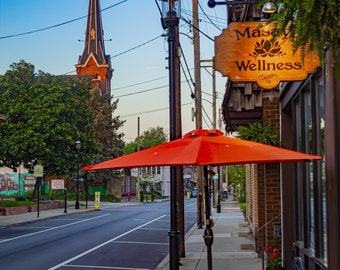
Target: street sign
38, 171
97, 199
57, 184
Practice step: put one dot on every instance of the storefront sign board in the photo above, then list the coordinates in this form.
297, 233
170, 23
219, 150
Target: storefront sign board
247, 52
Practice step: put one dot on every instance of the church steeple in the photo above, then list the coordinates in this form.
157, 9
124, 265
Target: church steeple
94, 61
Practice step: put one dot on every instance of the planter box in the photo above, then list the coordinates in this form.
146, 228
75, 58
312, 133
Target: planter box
14, 210
43, 206
17, 210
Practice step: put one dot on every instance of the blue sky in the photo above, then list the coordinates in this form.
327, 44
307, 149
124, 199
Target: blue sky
138, 52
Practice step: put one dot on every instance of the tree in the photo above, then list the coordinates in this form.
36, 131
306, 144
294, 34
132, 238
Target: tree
150, 137
106, 127
237, 179
45, 116
110, 141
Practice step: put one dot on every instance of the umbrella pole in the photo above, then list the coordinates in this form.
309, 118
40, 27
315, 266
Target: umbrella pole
218, 208
208, 233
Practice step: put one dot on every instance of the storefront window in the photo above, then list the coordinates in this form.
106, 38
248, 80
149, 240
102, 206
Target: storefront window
309, 187
299, 181
319, 90
308, 115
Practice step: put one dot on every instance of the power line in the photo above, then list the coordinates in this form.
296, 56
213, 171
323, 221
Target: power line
57, 25
143, 112
149, 111
206, 114
119, 54
217, 22
187, 80
208, 17
136, 47
142, 91
136, 84
191, 79
204, 34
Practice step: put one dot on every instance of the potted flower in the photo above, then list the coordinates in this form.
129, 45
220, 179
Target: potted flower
273, 258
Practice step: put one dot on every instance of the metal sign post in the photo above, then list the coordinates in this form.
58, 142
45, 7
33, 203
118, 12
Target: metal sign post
38, 173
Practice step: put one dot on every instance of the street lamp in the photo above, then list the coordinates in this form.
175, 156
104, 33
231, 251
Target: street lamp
269, 7
78, 145
170, 20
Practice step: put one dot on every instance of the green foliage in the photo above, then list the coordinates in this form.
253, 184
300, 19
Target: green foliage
45, 116
310, 23
254, 132
57, 196
130, 147
259, 133
237, 179
243, 206
10, 203
108, 138
150, 137
110, 141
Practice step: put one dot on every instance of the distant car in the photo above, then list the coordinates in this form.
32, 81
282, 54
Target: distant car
194, 192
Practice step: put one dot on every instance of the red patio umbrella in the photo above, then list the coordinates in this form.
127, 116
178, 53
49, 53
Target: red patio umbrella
204, 147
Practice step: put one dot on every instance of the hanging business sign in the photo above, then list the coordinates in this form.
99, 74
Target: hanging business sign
247, 52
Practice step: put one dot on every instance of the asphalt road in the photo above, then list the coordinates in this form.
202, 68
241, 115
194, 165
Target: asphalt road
130, 237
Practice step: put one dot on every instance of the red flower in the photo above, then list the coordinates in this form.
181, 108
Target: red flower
273, 257
269, 249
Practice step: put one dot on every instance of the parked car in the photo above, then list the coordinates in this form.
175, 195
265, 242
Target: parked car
194, 193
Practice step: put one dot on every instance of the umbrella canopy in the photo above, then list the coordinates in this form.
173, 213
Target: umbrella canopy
204, 147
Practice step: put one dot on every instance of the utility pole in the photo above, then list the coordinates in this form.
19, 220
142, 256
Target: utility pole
216, 188
219, 184
198, 105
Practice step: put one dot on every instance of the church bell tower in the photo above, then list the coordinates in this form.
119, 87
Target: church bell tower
94, 62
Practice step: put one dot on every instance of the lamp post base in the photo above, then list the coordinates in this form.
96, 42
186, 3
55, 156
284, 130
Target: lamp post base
65, 201
218, 208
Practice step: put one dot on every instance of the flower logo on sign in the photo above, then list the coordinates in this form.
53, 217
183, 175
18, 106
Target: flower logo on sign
269, 48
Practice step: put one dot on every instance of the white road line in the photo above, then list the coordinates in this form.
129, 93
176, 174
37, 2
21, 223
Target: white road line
51, 229
104, 267
141, 243
103, 244
154, 229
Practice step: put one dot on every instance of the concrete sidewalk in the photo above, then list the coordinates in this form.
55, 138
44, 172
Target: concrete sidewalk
233, 246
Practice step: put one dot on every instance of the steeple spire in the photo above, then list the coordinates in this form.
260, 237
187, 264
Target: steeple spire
94, 61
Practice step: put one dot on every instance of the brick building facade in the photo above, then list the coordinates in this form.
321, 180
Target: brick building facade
263, 187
